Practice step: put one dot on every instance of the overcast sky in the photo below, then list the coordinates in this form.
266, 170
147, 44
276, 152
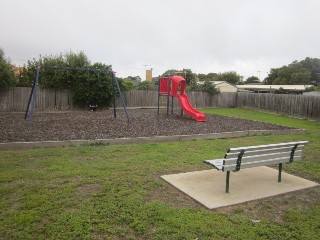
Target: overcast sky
246, 36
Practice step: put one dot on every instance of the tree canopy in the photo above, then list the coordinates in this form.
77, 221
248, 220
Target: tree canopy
89, 87
252, 79
186, 73
146, 85
313, 64
7, 78
306, 72
230, 77
208, 77
134, 79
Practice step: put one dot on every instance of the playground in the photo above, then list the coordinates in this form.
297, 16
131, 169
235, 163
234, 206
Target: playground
88, 125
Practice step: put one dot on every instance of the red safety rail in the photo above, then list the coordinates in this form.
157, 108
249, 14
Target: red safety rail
163, 85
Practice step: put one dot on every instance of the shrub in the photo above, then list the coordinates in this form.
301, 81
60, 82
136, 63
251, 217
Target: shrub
207, 86
89, 87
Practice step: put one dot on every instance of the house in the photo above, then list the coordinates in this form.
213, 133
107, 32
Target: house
287, 89
222, 86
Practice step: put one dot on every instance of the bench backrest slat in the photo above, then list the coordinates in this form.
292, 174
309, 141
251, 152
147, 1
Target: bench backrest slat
263, 155
261, 147
263, 151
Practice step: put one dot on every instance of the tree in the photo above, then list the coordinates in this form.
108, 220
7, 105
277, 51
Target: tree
209, 87
206, 86
190, 76
187, 74
292, 74
28, 73
135, 80
89, 87
252, 79
125, 84
146, 85
213, 77
7, 78
202, 77
230, 77
313, 64
208, 77
93, 88
271, 76
304, 72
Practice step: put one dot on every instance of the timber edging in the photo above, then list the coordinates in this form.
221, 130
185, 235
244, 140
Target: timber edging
146, 140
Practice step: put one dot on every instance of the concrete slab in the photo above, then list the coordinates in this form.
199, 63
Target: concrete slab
208, 186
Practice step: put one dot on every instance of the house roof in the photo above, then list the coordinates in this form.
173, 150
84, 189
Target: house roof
274, 87
216, 82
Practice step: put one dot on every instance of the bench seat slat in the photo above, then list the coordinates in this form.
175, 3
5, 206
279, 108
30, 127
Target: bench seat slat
260, 163
262, 157
217, 163
263, 151
261, 147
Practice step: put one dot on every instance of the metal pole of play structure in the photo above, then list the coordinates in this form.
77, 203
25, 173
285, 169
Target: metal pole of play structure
114, 97
122, 97
33, 96
168, 97
158, 94
171, 105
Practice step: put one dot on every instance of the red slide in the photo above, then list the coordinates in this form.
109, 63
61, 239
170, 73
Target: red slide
188, 109
175, 86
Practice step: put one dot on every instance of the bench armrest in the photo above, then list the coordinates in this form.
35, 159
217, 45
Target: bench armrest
217, 163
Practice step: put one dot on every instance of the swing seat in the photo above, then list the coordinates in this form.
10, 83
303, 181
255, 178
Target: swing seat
93, 108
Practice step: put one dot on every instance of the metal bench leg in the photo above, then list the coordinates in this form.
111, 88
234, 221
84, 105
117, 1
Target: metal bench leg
280, 170
227, 181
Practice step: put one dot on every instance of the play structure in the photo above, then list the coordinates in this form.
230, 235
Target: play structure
33, 94
175, 86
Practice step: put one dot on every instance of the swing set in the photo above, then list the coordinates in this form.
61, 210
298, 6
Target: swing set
33, 93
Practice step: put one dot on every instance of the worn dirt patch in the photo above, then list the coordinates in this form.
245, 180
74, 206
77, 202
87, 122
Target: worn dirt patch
88, 189
274, 208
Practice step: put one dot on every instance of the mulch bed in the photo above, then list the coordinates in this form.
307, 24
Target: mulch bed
86, 125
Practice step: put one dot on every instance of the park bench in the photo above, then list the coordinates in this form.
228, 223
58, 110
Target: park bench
254, 156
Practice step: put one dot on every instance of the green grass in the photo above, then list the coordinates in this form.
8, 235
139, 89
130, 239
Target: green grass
115, 192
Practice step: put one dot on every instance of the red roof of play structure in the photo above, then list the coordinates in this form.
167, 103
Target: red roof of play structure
163, 85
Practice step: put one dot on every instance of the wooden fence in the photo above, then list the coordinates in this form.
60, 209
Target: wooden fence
148, 98
16, 99
287, 104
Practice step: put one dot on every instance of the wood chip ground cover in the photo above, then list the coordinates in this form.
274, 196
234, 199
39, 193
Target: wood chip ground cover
85, 125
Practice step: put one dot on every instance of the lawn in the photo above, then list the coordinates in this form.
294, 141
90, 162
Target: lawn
115, 192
